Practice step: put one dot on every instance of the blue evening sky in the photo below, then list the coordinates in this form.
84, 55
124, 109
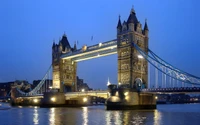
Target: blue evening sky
28, 27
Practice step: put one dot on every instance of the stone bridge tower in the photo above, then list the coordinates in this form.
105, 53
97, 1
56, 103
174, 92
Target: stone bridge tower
132, 67
64, 71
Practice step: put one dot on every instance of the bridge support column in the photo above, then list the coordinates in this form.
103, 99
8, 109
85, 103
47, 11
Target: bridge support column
122, 99
68, 75
53, 99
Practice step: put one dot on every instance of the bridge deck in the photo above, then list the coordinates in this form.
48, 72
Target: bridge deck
95, 51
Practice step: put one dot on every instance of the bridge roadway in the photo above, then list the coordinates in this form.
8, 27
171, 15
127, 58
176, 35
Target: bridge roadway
104, 94
175, 90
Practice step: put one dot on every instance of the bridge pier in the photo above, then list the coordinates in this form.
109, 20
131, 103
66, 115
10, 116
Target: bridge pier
53, 99
124, 98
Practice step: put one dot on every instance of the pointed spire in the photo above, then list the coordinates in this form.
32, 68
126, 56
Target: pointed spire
145, 25
132, 10
75, 46
119, 25
53, 44
132, 17
64, 35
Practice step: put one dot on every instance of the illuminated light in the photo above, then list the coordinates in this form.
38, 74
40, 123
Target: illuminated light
116, 94
83, 90
72, 62
108, 83
108, 94
126, 93
111, 48
156, 97
8, 98
35, 100
127, 97
119, 83
182, 78
53, 99
100, 44
98, 55
50, 87
85, 99
140, 56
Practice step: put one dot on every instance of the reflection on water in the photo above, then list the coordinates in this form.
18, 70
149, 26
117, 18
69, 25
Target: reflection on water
97, 115
52, 116
85, 115
35, 116
157, 117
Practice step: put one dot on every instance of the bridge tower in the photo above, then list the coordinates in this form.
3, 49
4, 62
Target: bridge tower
64, 70
132, 68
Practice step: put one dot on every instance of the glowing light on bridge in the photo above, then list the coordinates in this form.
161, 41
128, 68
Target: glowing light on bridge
83, 90
85, 99
35, 100
140, 57
53, 99
126, 93
100, 44
108, 83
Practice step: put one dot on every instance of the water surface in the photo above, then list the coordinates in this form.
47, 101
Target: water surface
177, 114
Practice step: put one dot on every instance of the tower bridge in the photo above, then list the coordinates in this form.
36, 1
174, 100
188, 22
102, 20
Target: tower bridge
141, 73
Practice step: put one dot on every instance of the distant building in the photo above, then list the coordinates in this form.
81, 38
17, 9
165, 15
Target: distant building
81, 85
5, 88
21, 84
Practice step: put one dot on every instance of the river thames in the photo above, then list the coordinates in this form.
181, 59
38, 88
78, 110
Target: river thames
174, 114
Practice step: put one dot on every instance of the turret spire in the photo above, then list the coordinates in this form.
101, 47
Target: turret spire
132, 10
119, 25
132, 17
145, 25
75, 48
53, 44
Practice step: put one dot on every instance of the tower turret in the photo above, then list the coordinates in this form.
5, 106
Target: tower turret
75, 48
124, 26
119, 26
146, 29
132, 20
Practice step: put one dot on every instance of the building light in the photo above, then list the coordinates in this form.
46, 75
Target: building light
156, 97
85, 99
83, 90
35, 100
140, 56
100, 44
53, 99
126, 93
117, 93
